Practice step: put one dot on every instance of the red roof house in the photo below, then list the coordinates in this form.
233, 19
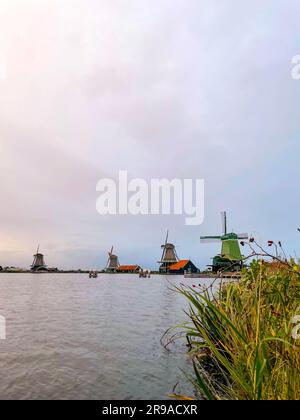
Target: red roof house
182, 267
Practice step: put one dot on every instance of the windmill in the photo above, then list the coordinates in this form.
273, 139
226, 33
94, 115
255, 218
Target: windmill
38, 262
112, 262
231, 258
169, 256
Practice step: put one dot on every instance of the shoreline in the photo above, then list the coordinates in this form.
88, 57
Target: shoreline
201, 275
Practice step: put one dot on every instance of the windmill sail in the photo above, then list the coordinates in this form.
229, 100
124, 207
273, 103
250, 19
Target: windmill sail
164, 246
224, 222
210, 239
243, 236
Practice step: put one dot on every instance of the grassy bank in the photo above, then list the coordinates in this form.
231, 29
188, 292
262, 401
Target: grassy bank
243, 342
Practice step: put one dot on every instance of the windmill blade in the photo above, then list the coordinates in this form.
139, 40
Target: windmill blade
112, 249
210, 239
164, 247
243, 235
224, 222
108, 261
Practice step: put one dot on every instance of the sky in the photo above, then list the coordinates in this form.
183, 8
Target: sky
162, 89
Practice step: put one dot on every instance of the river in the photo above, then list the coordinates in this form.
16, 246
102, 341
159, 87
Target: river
71, 337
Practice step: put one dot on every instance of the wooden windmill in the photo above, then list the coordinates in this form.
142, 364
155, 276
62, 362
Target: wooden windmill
112, 262
169, 256
231, 258
38, 262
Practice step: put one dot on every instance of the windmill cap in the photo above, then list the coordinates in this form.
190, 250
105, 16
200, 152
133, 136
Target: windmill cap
230, 236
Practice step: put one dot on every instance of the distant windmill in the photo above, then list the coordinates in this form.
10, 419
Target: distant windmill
231, 258
38, 262
169, 256
112, 262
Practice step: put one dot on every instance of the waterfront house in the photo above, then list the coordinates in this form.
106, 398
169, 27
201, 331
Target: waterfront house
182, 267
135, 269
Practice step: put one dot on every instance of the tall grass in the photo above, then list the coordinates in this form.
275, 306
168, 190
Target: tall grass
241, 341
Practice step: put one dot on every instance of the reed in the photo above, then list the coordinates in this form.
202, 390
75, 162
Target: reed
242, 342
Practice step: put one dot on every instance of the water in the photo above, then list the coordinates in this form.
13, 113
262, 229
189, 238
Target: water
70, 337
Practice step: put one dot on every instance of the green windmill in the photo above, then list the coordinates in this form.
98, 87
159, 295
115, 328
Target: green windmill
231, 258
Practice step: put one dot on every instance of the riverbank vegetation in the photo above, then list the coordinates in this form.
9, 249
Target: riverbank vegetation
245, 341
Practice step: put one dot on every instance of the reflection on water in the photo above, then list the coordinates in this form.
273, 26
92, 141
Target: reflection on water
71, 337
